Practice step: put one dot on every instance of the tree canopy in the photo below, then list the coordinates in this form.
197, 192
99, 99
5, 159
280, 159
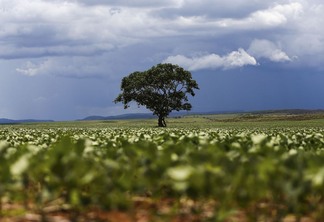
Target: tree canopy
161, 89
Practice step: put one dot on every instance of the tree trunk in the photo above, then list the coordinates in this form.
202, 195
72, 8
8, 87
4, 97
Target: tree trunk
162, 121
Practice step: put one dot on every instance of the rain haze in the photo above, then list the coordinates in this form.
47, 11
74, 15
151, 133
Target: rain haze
64, 60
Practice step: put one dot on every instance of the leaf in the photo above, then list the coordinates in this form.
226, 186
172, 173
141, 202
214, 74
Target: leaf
20, 165
180, 173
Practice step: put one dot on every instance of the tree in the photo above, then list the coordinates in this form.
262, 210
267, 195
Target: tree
161, 89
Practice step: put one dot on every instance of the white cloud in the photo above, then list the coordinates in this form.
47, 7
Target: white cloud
76, 67
238, 59
306, 36
261, 48
234, 59
31, 69
38, 28
272, 17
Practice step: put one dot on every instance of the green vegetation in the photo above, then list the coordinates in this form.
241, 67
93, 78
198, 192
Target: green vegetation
161, 89
204, 168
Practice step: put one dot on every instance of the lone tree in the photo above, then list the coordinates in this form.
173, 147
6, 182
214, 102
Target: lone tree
161, 89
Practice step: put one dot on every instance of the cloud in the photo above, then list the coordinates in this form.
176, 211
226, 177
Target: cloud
31, 69
16, 52
261, 48
234, 59
134, 3
275, 16
306, 35
75, 67
39, 28
46, 29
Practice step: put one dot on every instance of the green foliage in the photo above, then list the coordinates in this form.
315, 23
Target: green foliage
161, 89
264, 173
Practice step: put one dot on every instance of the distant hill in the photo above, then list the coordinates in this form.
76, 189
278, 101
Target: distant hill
290, 111
121, 117
151, 116
244, 114
11, 121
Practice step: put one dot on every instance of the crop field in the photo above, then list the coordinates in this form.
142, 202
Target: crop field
102, 171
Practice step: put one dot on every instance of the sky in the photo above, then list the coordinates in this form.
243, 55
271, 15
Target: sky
64, 59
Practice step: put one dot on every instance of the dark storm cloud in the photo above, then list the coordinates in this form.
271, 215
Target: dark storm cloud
87, 28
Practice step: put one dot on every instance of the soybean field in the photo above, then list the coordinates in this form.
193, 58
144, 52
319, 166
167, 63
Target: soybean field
106, 172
